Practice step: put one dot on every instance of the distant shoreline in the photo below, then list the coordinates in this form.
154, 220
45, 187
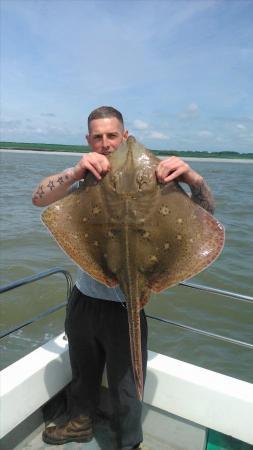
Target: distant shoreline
186, 158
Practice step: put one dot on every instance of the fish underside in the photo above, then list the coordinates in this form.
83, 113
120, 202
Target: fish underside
130, 230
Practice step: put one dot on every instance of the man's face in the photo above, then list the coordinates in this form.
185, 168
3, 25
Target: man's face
106, 135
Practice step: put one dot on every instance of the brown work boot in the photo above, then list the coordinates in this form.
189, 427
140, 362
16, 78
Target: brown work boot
79, 429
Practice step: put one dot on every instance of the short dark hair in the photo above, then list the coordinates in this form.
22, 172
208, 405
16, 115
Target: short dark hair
105, 112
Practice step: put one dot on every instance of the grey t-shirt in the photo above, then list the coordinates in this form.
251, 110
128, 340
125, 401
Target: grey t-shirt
91, 287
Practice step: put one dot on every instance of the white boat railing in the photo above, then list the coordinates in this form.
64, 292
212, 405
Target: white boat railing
55, 270
39, 276
212, 290
31, 279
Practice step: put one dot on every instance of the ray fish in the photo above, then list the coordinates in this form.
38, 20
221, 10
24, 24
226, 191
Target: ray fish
130, 230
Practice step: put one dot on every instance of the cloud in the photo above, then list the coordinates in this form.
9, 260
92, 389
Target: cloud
158, 135
47, 129
190, 112
240, 126
8, 126
11, 123
33, 129
204, 133
193, 108
140, 124
48, 114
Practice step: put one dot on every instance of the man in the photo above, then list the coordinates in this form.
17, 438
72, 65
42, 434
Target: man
96, 322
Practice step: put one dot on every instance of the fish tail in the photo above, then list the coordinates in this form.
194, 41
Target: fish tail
135, 346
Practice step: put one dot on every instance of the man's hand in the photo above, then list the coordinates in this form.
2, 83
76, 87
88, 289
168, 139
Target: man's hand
94, 162
175, 168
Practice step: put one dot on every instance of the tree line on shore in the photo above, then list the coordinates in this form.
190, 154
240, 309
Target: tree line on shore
85, 148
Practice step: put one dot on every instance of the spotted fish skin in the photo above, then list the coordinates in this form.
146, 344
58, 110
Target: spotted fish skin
129, 229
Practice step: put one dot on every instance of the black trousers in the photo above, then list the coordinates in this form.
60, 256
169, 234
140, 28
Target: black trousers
97, 331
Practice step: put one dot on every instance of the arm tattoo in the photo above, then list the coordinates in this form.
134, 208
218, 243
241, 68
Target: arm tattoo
60, 180
203, 196
51, 185
40, 192
54, 183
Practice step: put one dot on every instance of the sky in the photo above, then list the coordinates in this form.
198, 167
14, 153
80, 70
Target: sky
181, 72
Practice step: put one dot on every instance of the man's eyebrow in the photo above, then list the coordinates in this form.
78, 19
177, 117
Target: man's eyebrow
108, 133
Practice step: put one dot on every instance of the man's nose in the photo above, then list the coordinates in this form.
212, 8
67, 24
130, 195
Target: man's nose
106, 143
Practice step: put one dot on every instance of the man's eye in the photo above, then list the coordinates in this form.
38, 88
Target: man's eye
112, 136
97, 138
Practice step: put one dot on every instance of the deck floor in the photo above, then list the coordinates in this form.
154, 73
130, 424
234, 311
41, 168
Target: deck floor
104, 439
162, 430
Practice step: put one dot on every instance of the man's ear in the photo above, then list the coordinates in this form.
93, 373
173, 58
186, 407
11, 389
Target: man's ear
125, 135
88, 138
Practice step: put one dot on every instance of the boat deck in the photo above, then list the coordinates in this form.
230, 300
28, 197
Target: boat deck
162, 431
103, 440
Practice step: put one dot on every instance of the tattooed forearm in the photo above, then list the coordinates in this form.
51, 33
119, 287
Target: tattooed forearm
203, 196
53, 188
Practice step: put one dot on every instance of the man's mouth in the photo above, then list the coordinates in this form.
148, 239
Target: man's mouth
106, 152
